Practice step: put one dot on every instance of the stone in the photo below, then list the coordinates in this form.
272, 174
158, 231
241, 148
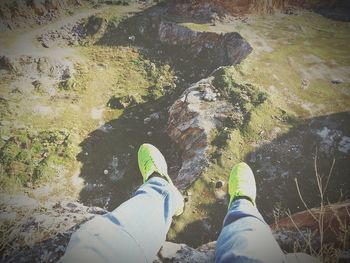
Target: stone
191, 119
336, 81
147, 120
209, 95
304, 84
210, 49
172, 252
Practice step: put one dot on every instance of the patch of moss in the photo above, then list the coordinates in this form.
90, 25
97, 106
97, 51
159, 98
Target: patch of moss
244, 95
29, 158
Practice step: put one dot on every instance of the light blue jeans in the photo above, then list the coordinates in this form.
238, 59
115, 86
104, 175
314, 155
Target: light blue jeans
245, 237
136, 230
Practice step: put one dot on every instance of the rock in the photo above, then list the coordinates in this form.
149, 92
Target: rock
221, 196
147, 120
191, 120
172, 252
209, 95
41, 226
212, 49
153, 117
149, 133
336, 81
21, 13
94, 25
304, 84
102, 66
335, 216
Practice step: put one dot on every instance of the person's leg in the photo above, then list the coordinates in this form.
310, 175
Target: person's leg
245, 236
136, 230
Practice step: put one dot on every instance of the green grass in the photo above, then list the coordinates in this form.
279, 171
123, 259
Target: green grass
30, 158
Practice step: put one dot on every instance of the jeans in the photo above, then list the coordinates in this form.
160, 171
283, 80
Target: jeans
136, 230
246, 237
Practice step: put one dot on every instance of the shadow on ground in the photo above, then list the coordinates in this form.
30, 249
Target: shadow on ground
109, 156
292, 155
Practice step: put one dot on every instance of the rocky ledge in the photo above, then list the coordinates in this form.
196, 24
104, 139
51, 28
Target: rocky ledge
191, 119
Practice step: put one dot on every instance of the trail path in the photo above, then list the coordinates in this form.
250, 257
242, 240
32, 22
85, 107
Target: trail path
27, 44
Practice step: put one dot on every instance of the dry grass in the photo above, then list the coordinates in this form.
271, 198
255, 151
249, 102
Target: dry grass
313, 242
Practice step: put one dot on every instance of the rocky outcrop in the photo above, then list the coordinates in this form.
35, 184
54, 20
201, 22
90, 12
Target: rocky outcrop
213, 49
20, 13
191, 119
198, 52
41, 232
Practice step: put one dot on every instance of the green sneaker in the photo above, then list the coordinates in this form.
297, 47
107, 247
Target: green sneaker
242, 183
151, 161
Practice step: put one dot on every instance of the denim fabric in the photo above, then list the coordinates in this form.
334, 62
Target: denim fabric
246, 237
134, 232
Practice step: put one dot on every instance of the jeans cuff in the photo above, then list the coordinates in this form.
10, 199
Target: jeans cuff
242, 208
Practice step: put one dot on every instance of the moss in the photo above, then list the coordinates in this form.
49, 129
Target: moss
30, 157
242, 94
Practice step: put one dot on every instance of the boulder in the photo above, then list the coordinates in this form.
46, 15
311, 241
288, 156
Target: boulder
210, 48
191, 119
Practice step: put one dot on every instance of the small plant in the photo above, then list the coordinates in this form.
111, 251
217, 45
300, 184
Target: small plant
244, 95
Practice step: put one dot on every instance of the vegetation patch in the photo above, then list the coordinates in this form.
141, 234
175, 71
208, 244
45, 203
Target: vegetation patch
29, 158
